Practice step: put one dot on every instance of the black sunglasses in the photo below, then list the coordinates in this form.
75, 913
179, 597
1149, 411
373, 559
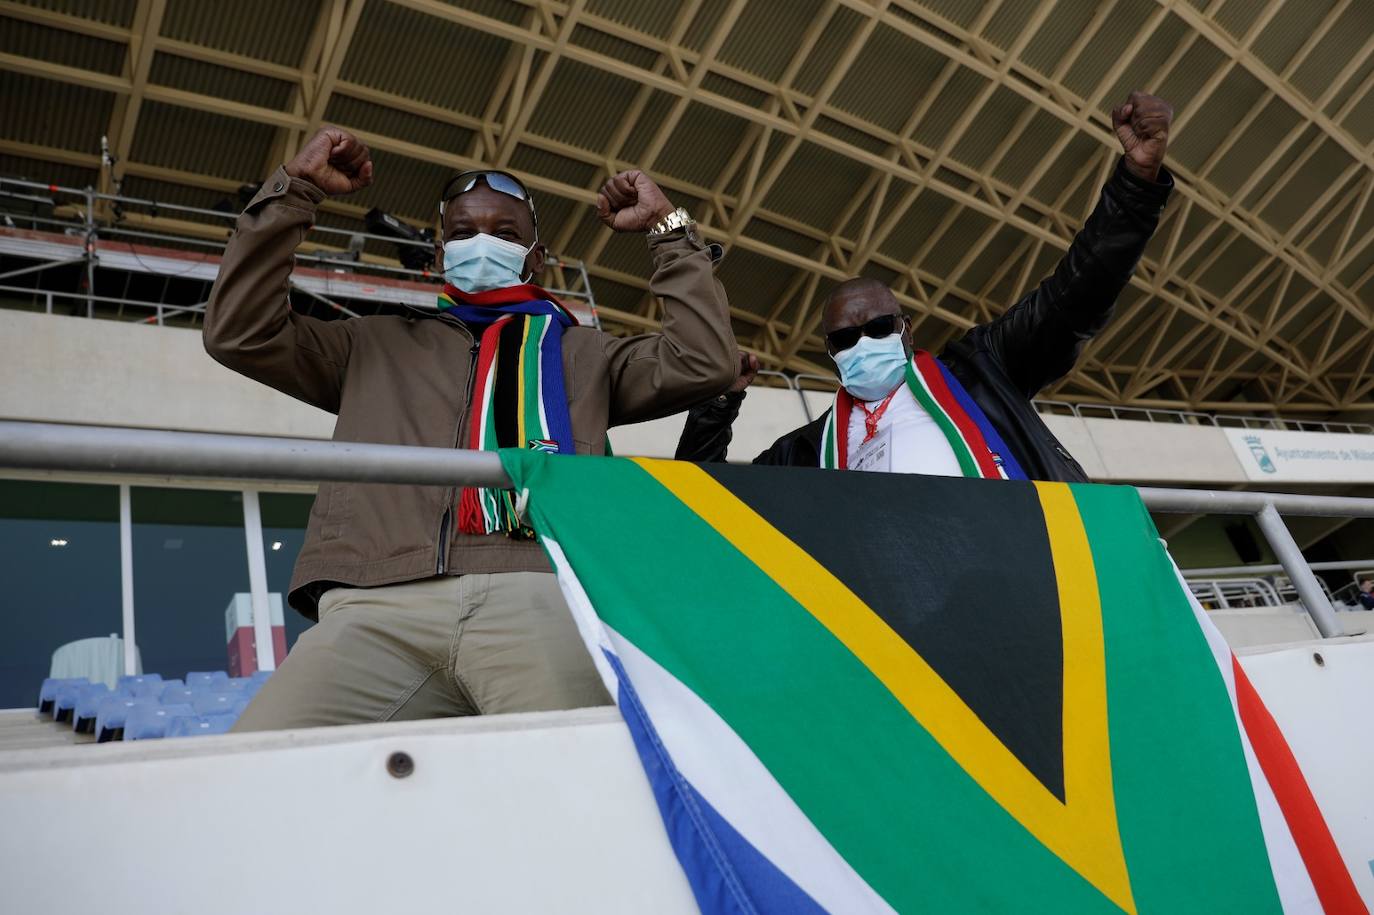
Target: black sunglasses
501, 182
837, 341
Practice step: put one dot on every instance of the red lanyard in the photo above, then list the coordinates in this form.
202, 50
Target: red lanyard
871, 418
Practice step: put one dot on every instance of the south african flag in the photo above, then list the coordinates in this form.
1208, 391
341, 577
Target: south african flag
858, 692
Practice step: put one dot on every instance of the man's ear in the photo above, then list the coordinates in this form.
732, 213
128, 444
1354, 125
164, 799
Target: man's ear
906, 336
438, 257
534, 261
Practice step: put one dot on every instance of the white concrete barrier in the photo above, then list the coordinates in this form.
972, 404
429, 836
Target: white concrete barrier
547, 812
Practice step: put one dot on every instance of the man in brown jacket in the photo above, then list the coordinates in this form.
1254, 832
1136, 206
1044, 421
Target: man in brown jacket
433, 602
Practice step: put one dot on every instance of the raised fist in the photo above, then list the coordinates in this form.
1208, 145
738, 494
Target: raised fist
1142, 125
748, 369
631, 202
334, 161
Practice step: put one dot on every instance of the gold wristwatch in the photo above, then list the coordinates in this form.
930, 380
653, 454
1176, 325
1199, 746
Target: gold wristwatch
677, 219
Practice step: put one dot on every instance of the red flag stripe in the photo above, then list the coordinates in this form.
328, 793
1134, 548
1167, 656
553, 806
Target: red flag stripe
1334, 885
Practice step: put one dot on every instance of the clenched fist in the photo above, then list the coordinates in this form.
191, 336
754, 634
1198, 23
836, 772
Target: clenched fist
748, 370
1142, 125
631, 202
334, 161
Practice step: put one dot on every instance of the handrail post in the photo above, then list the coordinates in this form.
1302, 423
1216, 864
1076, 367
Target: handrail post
257, 582
1295, 565
90, 252
126, 580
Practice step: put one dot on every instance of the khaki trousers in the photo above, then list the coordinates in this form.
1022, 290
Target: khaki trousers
467, 645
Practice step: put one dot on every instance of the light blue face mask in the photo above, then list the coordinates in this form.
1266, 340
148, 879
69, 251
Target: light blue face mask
484, 262
871, 368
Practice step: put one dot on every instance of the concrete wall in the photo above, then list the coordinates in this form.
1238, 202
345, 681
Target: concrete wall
113, 373
64, 369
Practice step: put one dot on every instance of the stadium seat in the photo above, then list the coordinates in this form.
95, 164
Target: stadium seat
47, 693
176, 693
145, 689
111, 715
134, 681
206, 679
66, 701
218, 703
88, 699
200, 726
260, 676
150, 722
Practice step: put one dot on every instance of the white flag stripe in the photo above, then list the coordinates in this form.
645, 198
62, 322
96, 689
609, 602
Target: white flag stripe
589, 625
1296, 892
726, 772
711, 756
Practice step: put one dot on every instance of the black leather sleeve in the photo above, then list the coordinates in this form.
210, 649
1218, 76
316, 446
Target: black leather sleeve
1039, 338
706, 435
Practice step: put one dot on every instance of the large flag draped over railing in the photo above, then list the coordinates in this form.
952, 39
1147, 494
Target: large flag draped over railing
876, 692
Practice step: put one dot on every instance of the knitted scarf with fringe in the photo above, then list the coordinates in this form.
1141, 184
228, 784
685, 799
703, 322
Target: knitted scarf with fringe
518, 399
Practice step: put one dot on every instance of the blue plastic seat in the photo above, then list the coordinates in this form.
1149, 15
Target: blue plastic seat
112, 713
146, 689
206, 679
65, 702
150, 722
88, 699
200, 726
215, 703
176, 694
240, 705
261, 676
47, 693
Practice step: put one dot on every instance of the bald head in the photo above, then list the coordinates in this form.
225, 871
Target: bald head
857, 301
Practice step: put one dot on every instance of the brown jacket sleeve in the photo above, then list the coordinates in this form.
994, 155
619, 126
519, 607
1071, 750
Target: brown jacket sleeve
249, 324
693, 357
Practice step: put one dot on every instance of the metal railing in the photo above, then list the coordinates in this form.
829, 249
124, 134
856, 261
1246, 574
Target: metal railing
108, 450
1235, 592
1195, 418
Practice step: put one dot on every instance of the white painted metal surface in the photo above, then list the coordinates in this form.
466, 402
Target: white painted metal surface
547, 812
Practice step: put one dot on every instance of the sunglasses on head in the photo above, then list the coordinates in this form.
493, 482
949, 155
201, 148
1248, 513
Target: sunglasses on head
837, 341
501, 182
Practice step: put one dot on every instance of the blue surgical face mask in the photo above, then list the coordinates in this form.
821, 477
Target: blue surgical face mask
484, 262
871, 368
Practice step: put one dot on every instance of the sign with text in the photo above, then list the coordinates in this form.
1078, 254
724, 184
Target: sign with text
1303, 457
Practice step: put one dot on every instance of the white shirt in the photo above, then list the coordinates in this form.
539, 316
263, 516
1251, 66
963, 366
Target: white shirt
916, 443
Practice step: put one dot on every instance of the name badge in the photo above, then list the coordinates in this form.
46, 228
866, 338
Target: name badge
875, 454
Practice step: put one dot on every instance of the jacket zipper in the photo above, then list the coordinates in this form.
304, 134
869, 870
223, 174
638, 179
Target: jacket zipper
451, 494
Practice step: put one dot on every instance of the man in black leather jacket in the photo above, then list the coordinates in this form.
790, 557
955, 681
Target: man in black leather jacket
1006, 362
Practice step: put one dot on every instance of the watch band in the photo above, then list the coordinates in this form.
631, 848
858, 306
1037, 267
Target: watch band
674, 220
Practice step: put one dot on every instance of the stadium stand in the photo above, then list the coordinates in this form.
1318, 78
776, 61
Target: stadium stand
147, 707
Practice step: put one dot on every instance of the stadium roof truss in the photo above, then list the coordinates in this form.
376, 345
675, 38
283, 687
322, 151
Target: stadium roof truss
947, 147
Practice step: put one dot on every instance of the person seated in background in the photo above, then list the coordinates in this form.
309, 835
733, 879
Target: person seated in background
436, 602
968, 412
1366, 594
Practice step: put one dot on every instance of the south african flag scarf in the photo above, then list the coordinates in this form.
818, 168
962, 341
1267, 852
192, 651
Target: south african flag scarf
976, 444
517, 400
